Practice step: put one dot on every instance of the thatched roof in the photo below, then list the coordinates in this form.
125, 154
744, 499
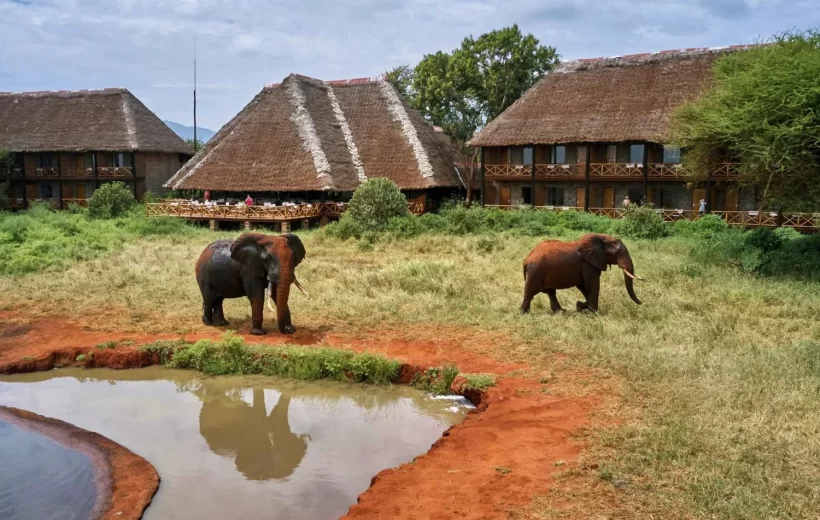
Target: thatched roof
623, 98
305, 134
108, 120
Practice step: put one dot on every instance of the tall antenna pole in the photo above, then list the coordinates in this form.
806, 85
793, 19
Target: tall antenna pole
196, 143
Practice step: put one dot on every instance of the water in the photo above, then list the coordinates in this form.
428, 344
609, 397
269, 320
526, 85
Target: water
243, 447
42, 479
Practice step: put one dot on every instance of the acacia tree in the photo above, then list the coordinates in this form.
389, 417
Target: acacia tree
763, 111
401, 77
462, 90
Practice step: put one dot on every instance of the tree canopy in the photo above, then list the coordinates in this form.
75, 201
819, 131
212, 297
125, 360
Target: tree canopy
764, 112
460, 91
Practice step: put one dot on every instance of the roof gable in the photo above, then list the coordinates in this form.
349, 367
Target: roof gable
84, 120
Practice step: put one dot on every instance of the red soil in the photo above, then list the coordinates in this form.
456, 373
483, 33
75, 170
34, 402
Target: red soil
126, 482
491, 464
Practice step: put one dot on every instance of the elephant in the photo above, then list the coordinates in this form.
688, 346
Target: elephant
251, 266
554, 264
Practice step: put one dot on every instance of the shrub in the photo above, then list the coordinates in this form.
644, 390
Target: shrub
375, 202
111, 200
345, 228
705, 226
641, 222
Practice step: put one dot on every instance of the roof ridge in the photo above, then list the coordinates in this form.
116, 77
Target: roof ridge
411, 134
334, 82
570, 65
306, 128
95, 91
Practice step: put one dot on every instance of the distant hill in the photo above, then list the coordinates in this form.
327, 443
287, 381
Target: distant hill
187, 132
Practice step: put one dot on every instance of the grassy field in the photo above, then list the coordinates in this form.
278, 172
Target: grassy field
721, 369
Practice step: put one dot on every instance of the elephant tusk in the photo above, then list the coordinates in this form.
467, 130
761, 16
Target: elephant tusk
633, 276
269, 295
299, 286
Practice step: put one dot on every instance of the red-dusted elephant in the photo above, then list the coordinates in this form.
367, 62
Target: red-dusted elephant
554, 264
248, 266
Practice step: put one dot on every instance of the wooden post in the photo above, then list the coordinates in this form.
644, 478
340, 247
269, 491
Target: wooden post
306, 224
285, 227
213, 225
709, 195
246, 225
482, 176
134, 172
586, 177
324, 221
645, 172
96, 172
22, 157
60, 179
532, 178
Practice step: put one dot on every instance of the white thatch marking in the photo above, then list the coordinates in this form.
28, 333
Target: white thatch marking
307, 131
129, 122
396, 108
351, 145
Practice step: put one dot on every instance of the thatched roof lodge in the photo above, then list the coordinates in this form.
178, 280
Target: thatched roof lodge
594, 131
307, 135
65, 143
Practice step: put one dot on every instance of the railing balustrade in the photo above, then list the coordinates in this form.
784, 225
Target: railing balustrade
186, 209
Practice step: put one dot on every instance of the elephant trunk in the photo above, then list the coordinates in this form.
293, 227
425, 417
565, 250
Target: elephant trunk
625, 263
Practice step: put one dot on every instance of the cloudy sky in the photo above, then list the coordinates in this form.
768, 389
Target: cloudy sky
147, 46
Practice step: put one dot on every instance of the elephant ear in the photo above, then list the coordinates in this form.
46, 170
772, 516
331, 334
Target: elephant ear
296, 247
591, 250
247, 251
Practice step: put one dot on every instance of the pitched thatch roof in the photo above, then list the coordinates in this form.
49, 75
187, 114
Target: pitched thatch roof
625, 98
309, 135
109, 120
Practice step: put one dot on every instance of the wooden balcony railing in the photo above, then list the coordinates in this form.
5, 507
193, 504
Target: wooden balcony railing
115, 172
619, 170
542, 171
11, 173
43, 173
17, 203
559, 170
186, 209
667, 171
77, 173
83, 203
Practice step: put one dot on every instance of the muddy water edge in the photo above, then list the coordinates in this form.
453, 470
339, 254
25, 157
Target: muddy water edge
243, 447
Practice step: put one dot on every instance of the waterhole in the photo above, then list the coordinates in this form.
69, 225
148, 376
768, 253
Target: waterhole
241, 447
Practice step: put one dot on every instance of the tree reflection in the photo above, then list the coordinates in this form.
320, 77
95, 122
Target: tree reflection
262, 445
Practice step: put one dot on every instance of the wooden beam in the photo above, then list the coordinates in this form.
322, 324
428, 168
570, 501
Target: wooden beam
482, 176
96, 172
645, 172
60, 178
22, 157
134, 172
532, 177
709, 195
586, 177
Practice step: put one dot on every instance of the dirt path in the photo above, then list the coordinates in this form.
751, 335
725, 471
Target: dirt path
493, 463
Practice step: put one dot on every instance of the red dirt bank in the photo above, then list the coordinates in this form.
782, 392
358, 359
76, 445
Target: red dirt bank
487, 466
126, 482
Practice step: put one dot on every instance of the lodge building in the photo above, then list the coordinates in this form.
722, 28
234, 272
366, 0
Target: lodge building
595, 131
313, 142
66, 144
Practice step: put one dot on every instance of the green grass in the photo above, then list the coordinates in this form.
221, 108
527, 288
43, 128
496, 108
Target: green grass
231, 355
720, 365
479, 382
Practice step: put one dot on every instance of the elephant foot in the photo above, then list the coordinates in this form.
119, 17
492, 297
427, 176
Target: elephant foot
287, 329
207, 321
220, 322
258, 331
580, 306
559, 309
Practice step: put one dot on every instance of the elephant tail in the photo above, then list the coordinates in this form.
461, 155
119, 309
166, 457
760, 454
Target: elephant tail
525, 271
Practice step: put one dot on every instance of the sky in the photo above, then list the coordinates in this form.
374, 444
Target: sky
148, 46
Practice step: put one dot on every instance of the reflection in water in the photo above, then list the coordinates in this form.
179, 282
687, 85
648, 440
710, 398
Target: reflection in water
263, 445
242, 447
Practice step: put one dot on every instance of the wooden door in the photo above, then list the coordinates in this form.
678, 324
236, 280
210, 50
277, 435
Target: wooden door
731, 203
697, 194
81, 191
580, 193
593, 197
489, 195
540, 195
506, 196
609, 198
32, 192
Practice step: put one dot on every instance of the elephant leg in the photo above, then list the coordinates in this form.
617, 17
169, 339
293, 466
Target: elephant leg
257, 298
218, 313
591, 294
525, 305
579, 306
283, 320
207, 304
554, 305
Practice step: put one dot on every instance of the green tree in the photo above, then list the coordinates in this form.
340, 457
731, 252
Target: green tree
197, 146
375, 202
764, 112
6, 160
462, 90
111, 200
401, 77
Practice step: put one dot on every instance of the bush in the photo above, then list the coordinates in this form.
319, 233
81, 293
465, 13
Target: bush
375, 202
641, 222
111, 200
345, 228
704, 227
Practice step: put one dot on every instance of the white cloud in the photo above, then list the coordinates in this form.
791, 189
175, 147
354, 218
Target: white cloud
148, 45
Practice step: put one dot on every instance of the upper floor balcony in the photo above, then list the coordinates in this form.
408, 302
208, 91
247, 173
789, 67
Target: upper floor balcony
54, 173
603, 171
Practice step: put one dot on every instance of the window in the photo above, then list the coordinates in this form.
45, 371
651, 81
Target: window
88, 160
636, 196
516, 155
556, 196
671, 154
46, 160
45, 191
559, 154
121, 160
526, 195
612, 153
528, 155
636, 154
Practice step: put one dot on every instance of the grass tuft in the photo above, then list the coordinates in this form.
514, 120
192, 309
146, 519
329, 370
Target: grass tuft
479, 382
